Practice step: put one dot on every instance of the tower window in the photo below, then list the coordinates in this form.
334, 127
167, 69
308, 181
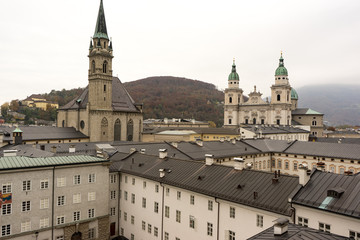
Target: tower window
229, 120
246, 121
93, 66
262, 121
278, 97
105, 67
104, 88
230, 99
278, 121
254, 121
104, 44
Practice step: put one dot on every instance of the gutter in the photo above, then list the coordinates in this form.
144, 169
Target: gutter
162, 211
218, 220
53, 203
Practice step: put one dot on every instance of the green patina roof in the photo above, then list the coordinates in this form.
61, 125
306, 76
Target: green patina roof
294, 94
310, 111
27, 162
233, 75
17, 130
100, 29
281, 70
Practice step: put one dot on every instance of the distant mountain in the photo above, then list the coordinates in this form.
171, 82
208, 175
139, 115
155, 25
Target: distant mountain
175, 97
339, 103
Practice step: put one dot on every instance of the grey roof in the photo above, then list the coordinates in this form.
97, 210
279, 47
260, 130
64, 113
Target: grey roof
8, 163
42, 133
296, 232
27, 151
342, 140
268, 145
274, 129
305, 111
121, 99
199, 130
314, 193
216, 180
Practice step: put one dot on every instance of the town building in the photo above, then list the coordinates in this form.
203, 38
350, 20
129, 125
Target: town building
38, 101
104, 111
175, 122
54, 198
281, 109
275, 132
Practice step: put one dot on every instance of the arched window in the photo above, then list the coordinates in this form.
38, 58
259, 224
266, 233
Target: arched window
63, 123
230, 99
105, 67
254, 120
229, 120
130, 130
104, 44
93, 66
314, 123
278, 97
117, 130
104, 129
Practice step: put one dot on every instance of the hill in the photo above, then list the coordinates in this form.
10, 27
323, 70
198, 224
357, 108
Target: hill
339, 103
174, 97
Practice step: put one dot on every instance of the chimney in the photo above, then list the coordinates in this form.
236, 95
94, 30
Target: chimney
17, 136
72, 149
132, 150
275, 179
320, 166
304, 174
248, 166
233, 141
162, 172
222, 139
10, 153
166, 120
209, 159
162, 153
193, 121
53, 149
239, 163
280, 226
174, 144
199, 142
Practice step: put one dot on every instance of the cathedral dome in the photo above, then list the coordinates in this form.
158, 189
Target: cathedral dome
233, 75
294, 95
281, 70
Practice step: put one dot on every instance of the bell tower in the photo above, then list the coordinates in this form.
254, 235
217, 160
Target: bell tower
100, 66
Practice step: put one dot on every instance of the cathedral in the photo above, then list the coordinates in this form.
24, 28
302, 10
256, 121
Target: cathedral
281, 109
104, 111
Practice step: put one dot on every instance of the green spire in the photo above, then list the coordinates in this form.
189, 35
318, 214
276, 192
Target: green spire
100, 29
281, 70
233, 75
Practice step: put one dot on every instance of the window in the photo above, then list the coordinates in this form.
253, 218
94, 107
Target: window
287, 165
26, 185
354, 235
6, 188
60, 238
77, 198
278, 97
156, 207
167, 191
210, 205
324, 227
209, 229
295, 166
232, 212
144, 184
77, 179
191, 222
61, 182
279, 163
113, 178
278, 121
91, 196
44, 222
76, 216
178, 216
133, 181
132, 237
178, 195
61, 200
60, 219
303, 221
5, 230
192, 199
143, 225
259, 220
126, 195
104, 88
167, 211
230, 99
246, 121
44, 203
231, 235
126, 179
104, 67
112, 211
91, 178
6, 209
149, 228
230, 120
132, 219
166, 236
25, 226
313, 123
44, 183
156, 231
113, 195
125, 216
91, 212
156, 188
144, 202
25, 206
132, 198
92, 233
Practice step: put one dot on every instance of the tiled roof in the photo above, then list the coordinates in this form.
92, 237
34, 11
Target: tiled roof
296, 232
315, 191
121, 99
7, 163
217, 181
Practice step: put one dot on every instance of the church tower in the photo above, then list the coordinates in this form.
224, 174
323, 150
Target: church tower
281, 96
233, 98
100, 66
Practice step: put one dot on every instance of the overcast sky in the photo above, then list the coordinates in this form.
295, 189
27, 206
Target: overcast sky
44, 43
